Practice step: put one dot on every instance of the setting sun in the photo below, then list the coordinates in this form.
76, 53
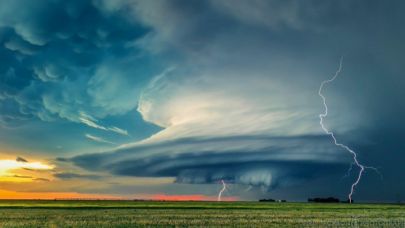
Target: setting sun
7, 165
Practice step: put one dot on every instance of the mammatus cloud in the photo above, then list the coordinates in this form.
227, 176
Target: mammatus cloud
98, 139
66, 59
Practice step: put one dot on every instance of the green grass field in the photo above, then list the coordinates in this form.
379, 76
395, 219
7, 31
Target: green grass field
185, 214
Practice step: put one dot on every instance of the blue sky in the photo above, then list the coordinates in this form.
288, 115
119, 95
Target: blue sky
172, 97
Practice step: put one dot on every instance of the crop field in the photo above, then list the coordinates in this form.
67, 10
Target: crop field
185, 214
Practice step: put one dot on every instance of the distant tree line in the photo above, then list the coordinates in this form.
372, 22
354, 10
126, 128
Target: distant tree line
267, 200
327, 200
271, 200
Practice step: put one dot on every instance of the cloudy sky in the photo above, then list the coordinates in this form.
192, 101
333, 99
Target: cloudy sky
165, 99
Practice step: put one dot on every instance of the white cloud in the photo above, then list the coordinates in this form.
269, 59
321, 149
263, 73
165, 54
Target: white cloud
88, 120
118, 130
86, 116
92, 124
98, 139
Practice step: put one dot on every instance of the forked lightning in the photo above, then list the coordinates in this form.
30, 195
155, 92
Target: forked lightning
321, 116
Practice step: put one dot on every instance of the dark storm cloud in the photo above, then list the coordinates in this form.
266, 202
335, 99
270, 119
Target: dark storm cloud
39, 170
277, 162
20, 159
55, 58
233, 83
41, 179
69, 176
18, 176
61, 159
365, 101
255, 68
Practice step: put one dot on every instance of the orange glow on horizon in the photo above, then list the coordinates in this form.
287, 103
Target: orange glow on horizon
72, 195
12, 178
50, 195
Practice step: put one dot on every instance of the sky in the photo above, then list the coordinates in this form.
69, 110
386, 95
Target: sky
167, 99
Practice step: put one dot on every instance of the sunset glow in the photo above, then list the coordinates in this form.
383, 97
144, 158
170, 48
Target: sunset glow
7, 165
46, 195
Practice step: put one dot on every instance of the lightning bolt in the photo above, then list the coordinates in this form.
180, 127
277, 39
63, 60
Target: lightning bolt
321, 116
223, 189
348, 172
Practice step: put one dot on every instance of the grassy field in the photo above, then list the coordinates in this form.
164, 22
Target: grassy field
186, 214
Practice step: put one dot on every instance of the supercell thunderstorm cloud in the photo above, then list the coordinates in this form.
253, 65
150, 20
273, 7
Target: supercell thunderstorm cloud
174, 97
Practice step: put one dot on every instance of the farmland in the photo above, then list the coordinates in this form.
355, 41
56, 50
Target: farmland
183, 214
